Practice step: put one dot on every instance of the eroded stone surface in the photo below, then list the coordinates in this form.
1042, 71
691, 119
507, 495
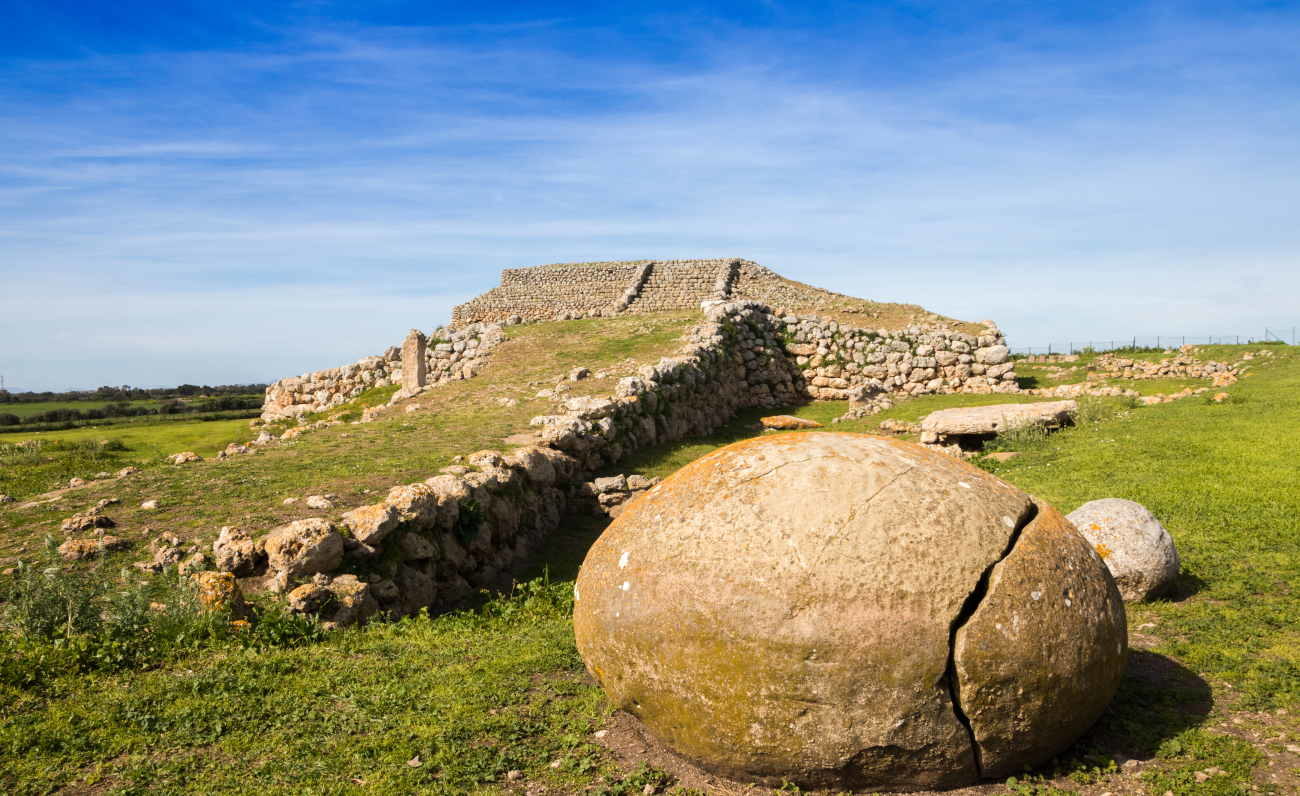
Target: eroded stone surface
782, 607
302, 548
980, 420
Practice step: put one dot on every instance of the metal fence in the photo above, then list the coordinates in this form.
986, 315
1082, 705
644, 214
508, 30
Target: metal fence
1139, 342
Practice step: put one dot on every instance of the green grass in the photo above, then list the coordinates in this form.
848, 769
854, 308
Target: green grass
354, 462
450, 704
84, 452
29, 409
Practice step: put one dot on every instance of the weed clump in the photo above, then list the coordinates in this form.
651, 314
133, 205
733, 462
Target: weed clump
57, 620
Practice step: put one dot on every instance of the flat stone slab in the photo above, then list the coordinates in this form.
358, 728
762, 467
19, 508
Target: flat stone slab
787, 423
986, 420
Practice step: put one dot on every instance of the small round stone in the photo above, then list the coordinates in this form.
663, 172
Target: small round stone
1137, 549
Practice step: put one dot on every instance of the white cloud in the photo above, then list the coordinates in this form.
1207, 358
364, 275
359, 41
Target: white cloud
239, 200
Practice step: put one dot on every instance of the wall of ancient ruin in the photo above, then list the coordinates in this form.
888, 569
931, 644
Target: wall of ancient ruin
547, 292
434, 542
584, 290
450, 355
683, 284
836, 360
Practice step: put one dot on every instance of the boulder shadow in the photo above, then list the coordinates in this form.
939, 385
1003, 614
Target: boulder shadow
1158, 699
1185, 585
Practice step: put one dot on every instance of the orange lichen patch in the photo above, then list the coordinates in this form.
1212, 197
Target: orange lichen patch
1094, 527
218, 591
1102, 550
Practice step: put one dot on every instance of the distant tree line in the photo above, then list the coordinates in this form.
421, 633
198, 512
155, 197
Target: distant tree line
128, 393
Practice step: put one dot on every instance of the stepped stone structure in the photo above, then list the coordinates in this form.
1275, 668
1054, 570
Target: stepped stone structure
836, 361
602, 289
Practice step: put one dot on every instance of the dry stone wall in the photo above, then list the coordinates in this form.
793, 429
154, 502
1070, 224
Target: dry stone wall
582, 290
839, 361
431, 543
683, 284
550, 291
449, 355
325, 389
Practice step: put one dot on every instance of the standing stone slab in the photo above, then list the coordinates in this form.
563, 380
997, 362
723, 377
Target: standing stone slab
415, 369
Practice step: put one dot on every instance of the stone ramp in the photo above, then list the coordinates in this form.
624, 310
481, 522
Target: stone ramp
683, 284
548, 291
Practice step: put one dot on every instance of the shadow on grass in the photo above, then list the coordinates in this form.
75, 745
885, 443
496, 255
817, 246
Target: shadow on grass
1184, 586
564, 548
1158, 700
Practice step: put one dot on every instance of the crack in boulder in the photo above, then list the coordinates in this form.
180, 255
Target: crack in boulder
968, 608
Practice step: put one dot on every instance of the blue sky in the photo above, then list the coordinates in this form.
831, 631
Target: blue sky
233, 192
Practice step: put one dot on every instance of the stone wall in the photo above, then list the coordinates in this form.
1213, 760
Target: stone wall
836, 360
458, 354
450, 355
601, 289
683, 284
325, 389
553, 291
434, 542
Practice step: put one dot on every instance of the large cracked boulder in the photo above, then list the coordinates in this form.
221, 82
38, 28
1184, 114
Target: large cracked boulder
1137, 549
843, 610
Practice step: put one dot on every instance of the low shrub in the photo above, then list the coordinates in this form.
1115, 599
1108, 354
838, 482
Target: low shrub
58, 620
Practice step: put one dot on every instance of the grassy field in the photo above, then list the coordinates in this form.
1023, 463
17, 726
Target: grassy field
352, 462
36, 408
495, 700
84, 452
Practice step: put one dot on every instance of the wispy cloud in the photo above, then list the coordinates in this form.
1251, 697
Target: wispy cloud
1063, 185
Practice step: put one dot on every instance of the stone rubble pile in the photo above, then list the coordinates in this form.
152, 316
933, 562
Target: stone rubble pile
1182, 366
81, 549
612, 493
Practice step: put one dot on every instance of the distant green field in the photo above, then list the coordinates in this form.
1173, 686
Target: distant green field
28, 474
154, 440
27, 410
